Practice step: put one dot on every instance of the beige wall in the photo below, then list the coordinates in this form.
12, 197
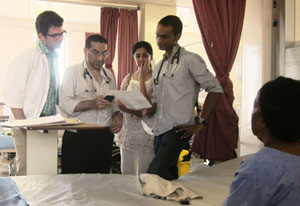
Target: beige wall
252, 63
257, 33
17, 24
17, 18
190, 39
297, 20
292, 23
289, 22
151, 18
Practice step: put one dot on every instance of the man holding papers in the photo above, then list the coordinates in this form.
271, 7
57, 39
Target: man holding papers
85, 94
30, 87
177, 78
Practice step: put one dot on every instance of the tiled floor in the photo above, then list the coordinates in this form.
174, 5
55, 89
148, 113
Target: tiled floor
6, 165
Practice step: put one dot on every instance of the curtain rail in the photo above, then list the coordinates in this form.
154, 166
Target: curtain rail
97, 3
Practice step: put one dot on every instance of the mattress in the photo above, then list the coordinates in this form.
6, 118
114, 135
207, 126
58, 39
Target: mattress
121, 190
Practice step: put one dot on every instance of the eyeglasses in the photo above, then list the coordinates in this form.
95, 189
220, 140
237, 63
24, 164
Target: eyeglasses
58, 34
96, 53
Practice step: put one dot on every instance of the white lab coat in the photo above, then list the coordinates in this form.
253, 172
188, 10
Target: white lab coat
27, 81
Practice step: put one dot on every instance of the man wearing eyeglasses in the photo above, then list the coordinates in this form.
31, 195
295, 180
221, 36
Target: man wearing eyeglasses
85, 94
30, 87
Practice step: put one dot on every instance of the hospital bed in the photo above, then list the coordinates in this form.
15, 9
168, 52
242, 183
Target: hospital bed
118, 190
7, 150
6, 143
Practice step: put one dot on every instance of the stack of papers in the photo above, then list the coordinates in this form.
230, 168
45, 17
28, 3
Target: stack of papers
132, 99
41, 121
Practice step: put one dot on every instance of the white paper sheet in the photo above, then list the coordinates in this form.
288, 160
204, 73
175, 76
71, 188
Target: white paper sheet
132, 99
55, 119
146, 128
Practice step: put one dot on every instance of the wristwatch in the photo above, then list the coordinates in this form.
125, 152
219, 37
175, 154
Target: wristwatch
202, 121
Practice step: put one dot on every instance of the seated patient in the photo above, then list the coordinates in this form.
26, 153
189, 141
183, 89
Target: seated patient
272, 175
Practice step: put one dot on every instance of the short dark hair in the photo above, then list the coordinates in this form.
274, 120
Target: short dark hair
173, 21
143, 44
47, 19
94, 38
279, 102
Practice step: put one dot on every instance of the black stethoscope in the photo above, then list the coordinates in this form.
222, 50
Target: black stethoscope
86, 72
176, 56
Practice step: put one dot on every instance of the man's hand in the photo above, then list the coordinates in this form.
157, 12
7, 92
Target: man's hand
188, 129
117, 123
144, 112
102, 103
149, 111
137, 113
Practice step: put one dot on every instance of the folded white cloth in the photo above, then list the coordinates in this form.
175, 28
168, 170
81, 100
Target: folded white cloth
157, 187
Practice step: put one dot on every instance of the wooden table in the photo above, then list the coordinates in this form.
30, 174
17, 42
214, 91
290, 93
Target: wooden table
42, 147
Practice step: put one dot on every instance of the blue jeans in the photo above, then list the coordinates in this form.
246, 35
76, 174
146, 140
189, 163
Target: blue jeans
167, 148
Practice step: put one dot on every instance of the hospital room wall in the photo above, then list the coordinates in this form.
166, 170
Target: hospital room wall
17, 18
297, 21
259, 65
17, 29
257, 32
190, 39
17, 32
150, 17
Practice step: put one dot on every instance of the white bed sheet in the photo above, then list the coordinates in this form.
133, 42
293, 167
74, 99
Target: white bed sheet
122, 190
213, 182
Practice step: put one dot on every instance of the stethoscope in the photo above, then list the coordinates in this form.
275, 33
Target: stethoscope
86, 72
176, 56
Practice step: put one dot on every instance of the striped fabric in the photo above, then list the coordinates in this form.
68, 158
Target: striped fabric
50, 105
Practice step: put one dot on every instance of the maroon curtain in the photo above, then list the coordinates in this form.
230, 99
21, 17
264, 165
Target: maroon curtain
109, 27
220, 23
127, 37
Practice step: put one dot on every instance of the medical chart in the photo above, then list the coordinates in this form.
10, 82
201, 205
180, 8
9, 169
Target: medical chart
132, 99
41, 121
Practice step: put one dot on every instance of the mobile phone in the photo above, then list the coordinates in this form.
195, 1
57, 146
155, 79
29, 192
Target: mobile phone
109, 98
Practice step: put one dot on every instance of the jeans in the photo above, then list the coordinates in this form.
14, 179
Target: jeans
167, 148
87, 151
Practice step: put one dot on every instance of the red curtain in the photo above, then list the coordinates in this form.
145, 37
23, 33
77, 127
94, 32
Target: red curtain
220, 23
127, 37
109, 27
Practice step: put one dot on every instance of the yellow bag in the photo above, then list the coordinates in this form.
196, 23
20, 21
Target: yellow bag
183, 164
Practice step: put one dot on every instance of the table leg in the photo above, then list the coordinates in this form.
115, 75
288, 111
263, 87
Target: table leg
41, 152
